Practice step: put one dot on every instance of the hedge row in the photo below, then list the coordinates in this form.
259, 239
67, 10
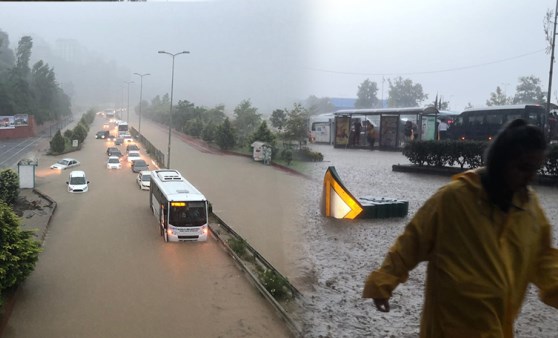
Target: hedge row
466, 155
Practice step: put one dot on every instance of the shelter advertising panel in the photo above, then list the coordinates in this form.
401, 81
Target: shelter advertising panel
342, 130
388, 131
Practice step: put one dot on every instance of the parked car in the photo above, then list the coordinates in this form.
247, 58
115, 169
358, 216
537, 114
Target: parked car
133, 155
144, 179
113, 162
65, 163
113, 151
139, 165
102, 134
77, 182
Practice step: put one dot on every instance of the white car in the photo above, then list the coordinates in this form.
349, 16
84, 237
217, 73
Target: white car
65, 163
113, 162
133, 155
144, 179
77, 182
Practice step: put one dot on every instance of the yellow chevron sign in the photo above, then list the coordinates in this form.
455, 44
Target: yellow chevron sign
337, 201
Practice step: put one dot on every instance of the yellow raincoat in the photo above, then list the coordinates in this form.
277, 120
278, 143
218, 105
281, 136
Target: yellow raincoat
480, 260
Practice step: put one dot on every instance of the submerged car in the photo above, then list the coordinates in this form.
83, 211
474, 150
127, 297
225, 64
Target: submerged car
77, 182
144, 179
113, 162
139, 165
65, 163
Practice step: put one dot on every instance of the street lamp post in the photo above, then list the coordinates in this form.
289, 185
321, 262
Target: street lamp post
141, 93
172, 87
128, 105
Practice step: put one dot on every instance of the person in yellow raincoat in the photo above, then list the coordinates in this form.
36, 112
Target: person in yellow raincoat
485, 238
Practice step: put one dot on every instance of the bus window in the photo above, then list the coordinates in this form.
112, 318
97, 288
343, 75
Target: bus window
192, 215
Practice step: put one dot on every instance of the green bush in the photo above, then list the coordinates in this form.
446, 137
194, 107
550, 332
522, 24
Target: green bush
9, 186
19, 251
445, 153
274, 283
69, 134
80, 132
305, 154
57, 143
225, 137
238, 246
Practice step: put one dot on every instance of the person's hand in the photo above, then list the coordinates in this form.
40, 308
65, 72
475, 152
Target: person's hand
382, 304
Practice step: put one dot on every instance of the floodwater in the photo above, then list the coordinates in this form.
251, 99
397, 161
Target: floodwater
344, 252
106, 272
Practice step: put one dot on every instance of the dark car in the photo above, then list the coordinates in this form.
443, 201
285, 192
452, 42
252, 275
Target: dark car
118, 141
113, 151
132, 147
139, 165
103, 134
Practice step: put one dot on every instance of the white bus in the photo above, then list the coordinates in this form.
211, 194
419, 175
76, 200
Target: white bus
181, 210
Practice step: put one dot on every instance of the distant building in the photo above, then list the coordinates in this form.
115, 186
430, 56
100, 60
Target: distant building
349, 103
342, 103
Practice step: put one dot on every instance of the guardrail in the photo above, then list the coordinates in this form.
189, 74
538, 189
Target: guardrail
261, 261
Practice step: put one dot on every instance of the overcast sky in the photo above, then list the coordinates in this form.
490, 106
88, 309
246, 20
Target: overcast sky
276, 52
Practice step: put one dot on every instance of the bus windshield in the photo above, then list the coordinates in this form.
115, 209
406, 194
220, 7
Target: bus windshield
188, 214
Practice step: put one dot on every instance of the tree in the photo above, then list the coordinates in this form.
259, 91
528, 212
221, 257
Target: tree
367, 95
7, 57
403, 93
215, 115
529, 91
317, 105
246, 120
296, 127
57, 143
498, 98
9, 186
278, 119
263, 134
19, 252
23, 54
209, 132
80, 132
225, 136
439, 103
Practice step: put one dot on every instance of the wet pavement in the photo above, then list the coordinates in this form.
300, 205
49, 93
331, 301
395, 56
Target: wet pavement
106, 272
342, 253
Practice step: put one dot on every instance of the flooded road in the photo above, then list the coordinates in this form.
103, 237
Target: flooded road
106, 272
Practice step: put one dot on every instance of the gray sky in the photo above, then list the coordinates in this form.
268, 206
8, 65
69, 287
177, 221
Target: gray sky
276, 52
354, 40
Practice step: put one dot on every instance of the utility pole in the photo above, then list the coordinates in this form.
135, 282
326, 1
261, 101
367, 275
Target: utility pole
551, 65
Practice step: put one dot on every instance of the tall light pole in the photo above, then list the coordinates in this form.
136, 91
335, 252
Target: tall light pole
141, 92
128, 106
172, 87
550, 72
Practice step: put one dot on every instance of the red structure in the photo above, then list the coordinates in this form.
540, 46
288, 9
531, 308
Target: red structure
30, 130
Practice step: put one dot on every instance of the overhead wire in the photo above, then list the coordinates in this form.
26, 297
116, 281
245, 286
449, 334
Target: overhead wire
431, 71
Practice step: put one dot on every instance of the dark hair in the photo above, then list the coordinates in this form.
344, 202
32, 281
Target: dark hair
515, 138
